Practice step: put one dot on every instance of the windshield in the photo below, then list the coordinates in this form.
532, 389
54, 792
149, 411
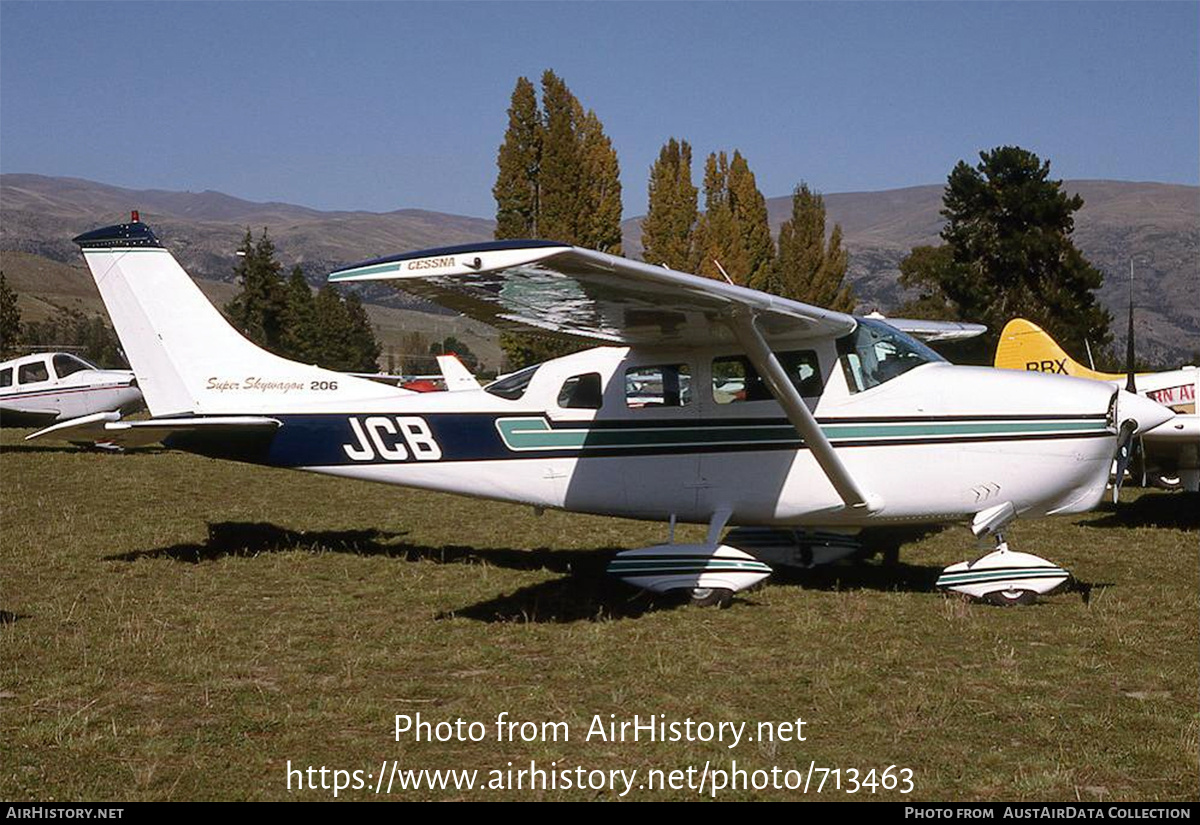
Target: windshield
65, 364
875, 353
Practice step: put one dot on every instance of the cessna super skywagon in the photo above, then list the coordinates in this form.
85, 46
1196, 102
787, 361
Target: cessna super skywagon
1172, 449
704, 402
57, 386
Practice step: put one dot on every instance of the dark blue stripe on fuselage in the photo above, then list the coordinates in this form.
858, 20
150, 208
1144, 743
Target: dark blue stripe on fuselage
329, 439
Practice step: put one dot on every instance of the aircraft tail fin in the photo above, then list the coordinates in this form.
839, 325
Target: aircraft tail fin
1026, 346
186, 356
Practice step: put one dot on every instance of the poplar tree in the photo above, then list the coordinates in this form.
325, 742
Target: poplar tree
560, 175
749, 209
718, 237
807, 268
600, 216
670, 222
516, 189
558, 179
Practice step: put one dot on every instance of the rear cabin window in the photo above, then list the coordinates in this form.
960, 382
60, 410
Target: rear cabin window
6, 377
735, 380
64, 365
33, 373
512, 387
581, 392
667, 385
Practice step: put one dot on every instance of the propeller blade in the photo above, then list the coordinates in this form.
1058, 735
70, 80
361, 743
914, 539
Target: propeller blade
1124, 454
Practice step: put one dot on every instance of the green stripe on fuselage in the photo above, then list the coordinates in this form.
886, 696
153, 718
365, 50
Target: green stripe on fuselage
521, 434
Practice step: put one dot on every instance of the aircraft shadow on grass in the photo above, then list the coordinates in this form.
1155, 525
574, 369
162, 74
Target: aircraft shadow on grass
1178, 511
583, 592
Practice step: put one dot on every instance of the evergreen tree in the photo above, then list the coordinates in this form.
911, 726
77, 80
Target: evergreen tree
363, 348
257, 311
1008, 228
332, 331
806, 268
10, 317
284, 317
516, 189
451, 345
667, 229
558, 179
299, 321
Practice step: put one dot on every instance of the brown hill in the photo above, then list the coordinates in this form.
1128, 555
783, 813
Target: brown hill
1157, 224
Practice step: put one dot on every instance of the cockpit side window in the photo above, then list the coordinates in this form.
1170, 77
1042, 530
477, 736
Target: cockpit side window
6, 377
581, 392
33, 373
65, 364
876, 353
512, 387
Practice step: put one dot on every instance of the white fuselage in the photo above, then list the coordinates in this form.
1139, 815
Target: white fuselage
937, 444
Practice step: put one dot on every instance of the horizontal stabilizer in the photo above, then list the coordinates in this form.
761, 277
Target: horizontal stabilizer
457, 376
109, 428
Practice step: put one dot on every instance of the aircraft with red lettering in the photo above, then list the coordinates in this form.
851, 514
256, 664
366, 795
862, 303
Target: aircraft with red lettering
699, 401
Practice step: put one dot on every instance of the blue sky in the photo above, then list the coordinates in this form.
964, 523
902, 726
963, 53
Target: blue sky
385, 105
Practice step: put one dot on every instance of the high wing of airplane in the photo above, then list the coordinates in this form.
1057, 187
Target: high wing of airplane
704, 402
932, 331
1172, 450
48, 387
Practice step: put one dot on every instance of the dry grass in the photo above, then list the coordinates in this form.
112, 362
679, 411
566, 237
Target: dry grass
179, 628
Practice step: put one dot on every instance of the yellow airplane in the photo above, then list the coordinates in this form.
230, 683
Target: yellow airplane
1172, 448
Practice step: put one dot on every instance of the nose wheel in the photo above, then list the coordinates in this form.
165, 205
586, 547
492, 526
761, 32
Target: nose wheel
711, 597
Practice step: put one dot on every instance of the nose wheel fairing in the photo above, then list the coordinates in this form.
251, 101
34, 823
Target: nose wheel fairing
1004, 577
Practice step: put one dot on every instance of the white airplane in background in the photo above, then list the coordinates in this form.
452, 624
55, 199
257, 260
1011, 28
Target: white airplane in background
1171, 450
844, 423
56, 386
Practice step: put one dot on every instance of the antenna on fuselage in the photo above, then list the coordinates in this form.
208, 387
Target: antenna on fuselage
1130, 382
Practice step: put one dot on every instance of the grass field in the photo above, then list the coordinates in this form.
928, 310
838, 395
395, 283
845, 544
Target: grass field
179, 628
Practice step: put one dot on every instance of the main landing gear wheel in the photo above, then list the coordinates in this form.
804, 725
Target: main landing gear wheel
1010, 598
711, 597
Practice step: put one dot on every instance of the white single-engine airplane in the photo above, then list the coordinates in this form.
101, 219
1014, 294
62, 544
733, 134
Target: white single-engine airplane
56, 386
706, 403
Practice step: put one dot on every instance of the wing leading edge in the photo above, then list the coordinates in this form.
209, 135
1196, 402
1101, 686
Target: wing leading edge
569, 291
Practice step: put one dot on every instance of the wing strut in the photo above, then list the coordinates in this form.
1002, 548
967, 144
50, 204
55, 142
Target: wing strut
768, 366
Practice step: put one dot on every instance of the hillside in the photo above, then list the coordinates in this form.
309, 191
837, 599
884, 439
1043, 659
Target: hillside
44, 287
1158, 224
